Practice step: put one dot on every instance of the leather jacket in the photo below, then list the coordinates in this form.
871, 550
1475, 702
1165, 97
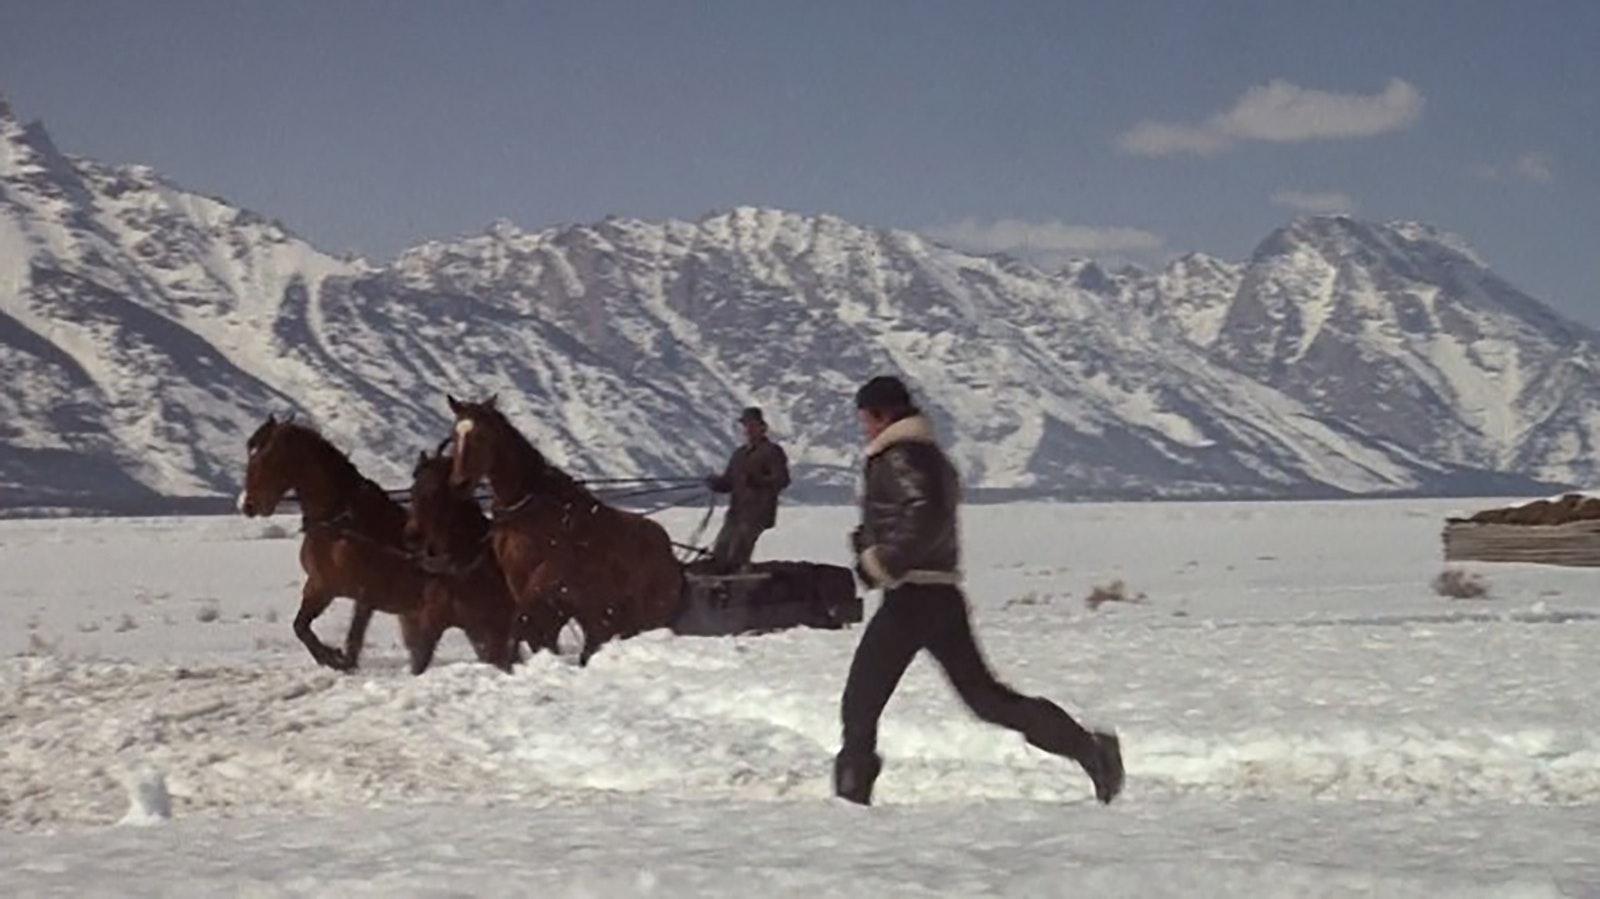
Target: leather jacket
909, 530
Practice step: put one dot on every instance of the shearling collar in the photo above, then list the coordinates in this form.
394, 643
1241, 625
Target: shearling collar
914, 429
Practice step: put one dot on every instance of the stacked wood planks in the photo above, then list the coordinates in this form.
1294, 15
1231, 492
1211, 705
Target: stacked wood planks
1563, 530
1574, 543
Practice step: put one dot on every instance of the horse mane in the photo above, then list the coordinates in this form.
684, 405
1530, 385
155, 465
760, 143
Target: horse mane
546, 473
336, 459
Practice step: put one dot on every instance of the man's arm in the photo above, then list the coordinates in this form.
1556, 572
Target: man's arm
723, 483
903, 539
773, 472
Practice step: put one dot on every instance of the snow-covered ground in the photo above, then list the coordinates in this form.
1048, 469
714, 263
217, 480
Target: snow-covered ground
1301, 715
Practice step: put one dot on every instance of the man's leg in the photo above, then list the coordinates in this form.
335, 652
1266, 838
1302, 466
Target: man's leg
722, 548
1043, 723
886, 649
744, 545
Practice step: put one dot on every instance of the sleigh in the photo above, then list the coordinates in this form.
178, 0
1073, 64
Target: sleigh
549, 549
767, 597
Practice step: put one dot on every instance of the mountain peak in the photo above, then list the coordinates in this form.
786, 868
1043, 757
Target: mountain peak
504, 229
11, 129
1340, 235
1330, 235
1197, 261
1418, 232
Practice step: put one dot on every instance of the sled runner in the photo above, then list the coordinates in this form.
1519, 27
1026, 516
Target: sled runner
770, 596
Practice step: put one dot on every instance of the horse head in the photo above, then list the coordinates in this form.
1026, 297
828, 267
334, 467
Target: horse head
475, 440
266, 476
436, 505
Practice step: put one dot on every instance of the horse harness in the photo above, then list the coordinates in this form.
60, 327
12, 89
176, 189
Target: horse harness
501, 515
451, 569
421, 562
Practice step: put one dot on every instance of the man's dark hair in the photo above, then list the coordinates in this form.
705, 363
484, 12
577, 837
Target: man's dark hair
887, 396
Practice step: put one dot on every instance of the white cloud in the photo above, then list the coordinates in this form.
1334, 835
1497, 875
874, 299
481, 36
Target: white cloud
1049, 243
1315, 202
1156, 139
1532, 165
1282, 112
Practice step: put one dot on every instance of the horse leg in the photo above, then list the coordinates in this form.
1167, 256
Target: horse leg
490, 635
488, 617
539, 625
356, 638
540, 612
597, 628
496, 640
495, 646
313, 602
425, 627
410, 625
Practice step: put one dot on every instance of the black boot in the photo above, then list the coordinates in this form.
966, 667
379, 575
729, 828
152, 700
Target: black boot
853, 777
1105, 767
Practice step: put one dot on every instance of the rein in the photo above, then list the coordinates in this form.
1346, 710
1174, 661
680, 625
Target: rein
332, 523
500, 516
699, 531
418, 560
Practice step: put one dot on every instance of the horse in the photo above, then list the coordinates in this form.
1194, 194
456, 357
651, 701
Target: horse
353, 544
449, 531
563, 551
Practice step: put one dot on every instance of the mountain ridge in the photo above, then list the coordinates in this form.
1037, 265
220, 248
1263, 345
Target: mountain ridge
145, 330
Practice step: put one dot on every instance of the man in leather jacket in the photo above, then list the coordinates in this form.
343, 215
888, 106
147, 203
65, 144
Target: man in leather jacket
907, 545
756, 473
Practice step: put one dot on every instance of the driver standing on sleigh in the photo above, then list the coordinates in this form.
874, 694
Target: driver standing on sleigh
756, 473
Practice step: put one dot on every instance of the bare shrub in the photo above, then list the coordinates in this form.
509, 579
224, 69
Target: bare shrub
275, 532
208, 612
1116, 591
1031, 598
127, 624
1457, 583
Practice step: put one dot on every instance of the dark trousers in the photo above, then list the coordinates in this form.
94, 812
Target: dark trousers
913, 618
735, 544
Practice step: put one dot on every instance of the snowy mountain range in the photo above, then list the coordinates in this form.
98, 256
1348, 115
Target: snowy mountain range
145, 330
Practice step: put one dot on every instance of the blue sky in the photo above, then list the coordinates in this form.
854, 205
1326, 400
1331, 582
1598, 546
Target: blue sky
1128, 129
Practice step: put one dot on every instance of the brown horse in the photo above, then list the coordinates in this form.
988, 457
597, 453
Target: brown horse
561, 548
451, 534
353, 545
